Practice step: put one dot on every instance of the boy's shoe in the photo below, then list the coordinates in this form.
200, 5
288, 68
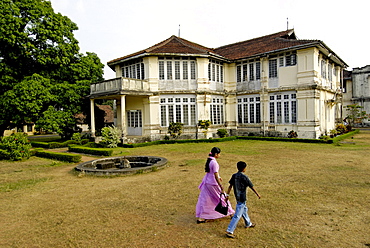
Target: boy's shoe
252, 225
230, 235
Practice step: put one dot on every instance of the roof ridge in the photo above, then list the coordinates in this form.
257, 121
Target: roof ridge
160, 44
194, 45
261, 37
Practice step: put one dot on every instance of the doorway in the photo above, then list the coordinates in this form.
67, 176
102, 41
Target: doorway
134, 123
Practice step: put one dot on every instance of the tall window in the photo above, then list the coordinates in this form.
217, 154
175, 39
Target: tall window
330, 72
178, 68
133, 69
272, 68
258, 70
217, 111
323, 69
178, 109
248, 71
249, 109
215, 71
193, 71
169, 70
185, 70
283, 108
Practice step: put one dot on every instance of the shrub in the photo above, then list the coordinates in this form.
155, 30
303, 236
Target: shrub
77, 137
93, 151
204, 124
292, 134
222, 133
175, 129
40, 144
111, 136
341, 129
15, 147
67, 157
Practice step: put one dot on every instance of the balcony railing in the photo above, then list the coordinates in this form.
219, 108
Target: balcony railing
119, 84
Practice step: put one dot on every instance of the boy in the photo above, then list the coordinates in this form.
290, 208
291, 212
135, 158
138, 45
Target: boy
240, 182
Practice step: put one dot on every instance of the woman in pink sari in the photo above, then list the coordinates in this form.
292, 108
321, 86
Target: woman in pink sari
210, 190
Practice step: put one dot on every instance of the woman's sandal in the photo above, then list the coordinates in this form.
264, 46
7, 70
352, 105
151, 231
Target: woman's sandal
201, 221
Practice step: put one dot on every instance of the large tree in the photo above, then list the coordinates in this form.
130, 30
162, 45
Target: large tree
41, 69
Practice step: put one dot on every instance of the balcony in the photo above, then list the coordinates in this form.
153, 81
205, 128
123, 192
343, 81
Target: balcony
119, 85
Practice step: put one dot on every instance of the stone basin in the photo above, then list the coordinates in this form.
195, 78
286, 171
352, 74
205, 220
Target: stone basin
121, 165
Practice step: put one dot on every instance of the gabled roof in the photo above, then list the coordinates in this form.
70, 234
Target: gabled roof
174, 45
280, 41
273, 42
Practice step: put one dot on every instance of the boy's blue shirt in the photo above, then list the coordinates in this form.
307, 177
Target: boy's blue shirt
240, 183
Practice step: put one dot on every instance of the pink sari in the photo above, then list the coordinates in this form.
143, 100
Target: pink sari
209, 196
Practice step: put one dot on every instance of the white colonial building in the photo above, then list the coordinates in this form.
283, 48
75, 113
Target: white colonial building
268, 85
356, 85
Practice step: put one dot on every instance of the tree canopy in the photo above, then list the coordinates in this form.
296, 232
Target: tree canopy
42, 71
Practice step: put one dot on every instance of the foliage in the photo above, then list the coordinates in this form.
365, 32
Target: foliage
67, 157
41, 67
204, 124
222, 133
15, 147
292, 134
175, 129
356, 115
93, 151
52, 145
341, 128
345, 136
77, 137
333, 133
111, 136
60, 121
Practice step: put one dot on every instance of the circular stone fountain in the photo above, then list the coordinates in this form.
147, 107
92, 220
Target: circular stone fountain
121, 165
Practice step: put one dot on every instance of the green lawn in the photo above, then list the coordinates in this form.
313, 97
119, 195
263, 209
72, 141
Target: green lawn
313, 195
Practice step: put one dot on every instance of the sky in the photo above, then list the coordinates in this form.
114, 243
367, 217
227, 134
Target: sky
115, 28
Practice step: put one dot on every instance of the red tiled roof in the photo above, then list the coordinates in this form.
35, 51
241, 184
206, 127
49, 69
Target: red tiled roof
109, 115
173, 44
244, 49
264, 44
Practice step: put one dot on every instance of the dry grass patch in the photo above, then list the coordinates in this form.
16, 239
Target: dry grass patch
313, 195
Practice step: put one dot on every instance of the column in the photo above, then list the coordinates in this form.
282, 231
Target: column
92, 116
122, 116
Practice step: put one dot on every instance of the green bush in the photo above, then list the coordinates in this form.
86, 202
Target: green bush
341, 129
345, 136
53, 145
15, 147
67, 157
40, 144
111, 136
222, 133
292, 134
93, 151
77, 137
175, 129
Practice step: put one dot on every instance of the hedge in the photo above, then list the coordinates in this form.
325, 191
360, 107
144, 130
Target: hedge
330, 141
53, 145
67, 157
93, 151
158, 142
345, 136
